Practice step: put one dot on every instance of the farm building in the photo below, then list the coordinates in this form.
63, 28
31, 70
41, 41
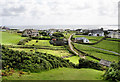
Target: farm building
96, 32
81, 40
114, 35
30, 32
58, 42
105, 62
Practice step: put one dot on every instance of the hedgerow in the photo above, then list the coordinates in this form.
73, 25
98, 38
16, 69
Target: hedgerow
34, 62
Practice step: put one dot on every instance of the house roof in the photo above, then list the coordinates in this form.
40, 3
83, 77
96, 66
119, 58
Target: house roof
80, 38
114, 33
105, 62
96, 31
32, 30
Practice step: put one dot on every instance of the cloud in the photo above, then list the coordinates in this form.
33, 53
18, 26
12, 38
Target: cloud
12, 11
59, 11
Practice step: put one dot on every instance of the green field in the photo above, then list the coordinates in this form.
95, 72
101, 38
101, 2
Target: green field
91, 59
40, 42
92, 39
74, 59
60, 74
58, 53
10, 38
97, 53
108, 45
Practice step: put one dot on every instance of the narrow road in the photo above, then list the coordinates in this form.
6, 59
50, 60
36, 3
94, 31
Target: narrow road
71, 47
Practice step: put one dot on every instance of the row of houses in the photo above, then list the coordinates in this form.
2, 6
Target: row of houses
33, 32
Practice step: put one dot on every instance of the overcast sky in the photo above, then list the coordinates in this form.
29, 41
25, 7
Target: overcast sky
58, 12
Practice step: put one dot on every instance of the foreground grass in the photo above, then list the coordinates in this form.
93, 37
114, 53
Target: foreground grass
10, 38
61, 74
97, 53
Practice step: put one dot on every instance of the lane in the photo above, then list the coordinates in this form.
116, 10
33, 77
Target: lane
71, 47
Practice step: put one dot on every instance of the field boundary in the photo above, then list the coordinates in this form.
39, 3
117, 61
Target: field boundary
92, 43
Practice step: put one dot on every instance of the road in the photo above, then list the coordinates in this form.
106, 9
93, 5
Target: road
71, 47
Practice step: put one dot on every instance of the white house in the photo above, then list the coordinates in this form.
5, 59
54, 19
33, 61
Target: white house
114, 35
96, 32
81, 40
30, 32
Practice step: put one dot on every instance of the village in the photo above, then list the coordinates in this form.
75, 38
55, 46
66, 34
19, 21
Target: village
97, 46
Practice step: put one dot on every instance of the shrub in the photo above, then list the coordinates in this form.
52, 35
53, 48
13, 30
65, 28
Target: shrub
33, 62
83, 63
113, 72
23, 41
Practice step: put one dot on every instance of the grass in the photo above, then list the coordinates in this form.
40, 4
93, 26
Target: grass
91, 59
61, 74
97, 53
58, 53
68, 34
74, 59
92, 39
40, 42
10, 38
44, 44
108, 45
115, 39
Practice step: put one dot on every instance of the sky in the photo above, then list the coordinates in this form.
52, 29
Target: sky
58, 12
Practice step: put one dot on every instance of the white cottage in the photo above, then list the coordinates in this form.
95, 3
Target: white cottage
96, 32
30, 32
81, 40
114, 35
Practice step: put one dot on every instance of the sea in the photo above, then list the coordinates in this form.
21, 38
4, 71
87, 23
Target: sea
72, 27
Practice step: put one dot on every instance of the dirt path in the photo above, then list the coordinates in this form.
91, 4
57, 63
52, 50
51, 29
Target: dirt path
71, 47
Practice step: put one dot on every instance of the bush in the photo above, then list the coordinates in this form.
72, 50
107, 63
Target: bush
33, 62
83, 63
58, 35
113, 72
23, 41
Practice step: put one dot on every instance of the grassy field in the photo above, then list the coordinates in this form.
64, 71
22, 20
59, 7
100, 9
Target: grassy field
109, 45
10, 38
60, 74
91, 59
58, 53
92, 39
40, 42
44, 44
115, 39
97, 53
74, 59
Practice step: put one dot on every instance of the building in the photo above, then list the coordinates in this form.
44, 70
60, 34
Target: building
79, 30
81, 40
56, 30
67, 30
114, 35
96, 32
30, 32
105, 62
59, 42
